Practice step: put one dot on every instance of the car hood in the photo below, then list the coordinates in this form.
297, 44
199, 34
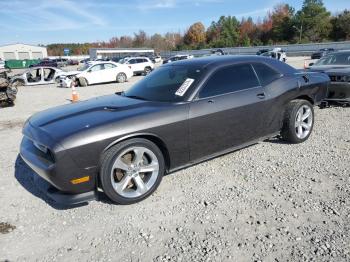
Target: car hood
80, 118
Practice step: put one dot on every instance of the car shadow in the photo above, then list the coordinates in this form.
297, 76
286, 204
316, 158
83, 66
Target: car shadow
276, 140
35, 184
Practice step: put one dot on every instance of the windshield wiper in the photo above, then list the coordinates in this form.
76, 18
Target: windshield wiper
122, 93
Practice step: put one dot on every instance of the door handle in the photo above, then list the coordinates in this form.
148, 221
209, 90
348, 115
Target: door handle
261, 95
211, 101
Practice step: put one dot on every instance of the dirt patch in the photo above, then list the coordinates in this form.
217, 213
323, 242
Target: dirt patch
6, 228
5, 125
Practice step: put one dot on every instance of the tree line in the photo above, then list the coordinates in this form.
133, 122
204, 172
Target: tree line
283, 25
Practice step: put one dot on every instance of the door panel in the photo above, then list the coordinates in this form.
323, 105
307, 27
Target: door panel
226, 121
95, 74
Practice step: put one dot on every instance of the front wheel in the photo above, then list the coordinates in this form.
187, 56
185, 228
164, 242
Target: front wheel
131, 171
83, 81
298, 121
17, 83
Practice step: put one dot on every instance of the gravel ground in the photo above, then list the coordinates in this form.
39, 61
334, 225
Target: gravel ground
268, 202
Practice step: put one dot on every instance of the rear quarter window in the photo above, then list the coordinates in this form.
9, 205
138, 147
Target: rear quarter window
266, 74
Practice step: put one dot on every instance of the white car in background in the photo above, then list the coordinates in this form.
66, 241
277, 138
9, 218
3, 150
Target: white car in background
99, 72
158, 59
38, 76
276, 53
2, 64
139, 65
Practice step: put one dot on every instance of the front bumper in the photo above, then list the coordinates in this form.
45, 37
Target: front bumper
57, 175
61, 197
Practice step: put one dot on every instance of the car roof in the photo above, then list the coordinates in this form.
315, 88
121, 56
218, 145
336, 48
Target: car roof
217, 61
102, 62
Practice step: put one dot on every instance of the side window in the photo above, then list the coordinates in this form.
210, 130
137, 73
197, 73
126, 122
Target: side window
109, 66
132, 61
96, 68
140, 60
266, 74
230, 79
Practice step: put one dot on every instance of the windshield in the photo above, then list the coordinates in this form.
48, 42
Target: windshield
166, 84
334, 59
84, 67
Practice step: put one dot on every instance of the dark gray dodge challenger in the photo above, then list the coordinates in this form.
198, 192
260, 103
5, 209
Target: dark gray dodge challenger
181, 114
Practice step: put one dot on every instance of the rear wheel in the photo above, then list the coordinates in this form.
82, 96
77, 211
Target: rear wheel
121, 78
147, 70
298, 121
131, 171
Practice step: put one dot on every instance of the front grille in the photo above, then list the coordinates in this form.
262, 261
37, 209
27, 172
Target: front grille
335, 78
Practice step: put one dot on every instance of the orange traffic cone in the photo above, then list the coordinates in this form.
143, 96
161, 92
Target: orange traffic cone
75, 95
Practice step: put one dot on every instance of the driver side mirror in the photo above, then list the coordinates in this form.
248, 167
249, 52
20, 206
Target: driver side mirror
311, 64
89, 71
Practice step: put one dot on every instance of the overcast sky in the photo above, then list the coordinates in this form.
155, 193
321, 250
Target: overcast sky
64, 21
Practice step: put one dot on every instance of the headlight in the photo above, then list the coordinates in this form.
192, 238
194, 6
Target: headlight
42, 148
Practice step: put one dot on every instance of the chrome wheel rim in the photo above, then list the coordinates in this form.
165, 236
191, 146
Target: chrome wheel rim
134, 172
121, 78
303, 121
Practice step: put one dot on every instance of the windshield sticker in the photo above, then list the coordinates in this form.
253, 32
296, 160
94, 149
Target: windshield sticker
184, 87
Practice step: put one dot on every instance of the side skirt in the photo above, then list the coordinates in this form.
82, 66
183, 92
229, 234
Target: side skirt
224, 152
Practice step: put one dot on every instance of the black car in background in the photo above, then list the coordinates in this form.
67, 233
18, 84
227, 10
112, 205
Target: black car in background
322, 52
181, 114
177, 58
261, 51
337, 66
46, 62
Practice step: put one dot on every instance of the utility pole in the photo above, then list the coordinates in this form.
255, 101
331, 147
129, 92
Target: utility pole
300, 30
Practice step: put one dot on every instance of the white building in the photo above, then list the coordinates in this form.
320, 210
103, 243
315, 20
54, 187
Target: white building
118, 52
21, 52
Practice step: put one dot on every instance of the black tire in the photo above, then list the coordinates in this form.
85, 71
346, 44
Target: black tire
17, 83
83, 81
289, 128
121, 78
147, 70
57, 80
110, 156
